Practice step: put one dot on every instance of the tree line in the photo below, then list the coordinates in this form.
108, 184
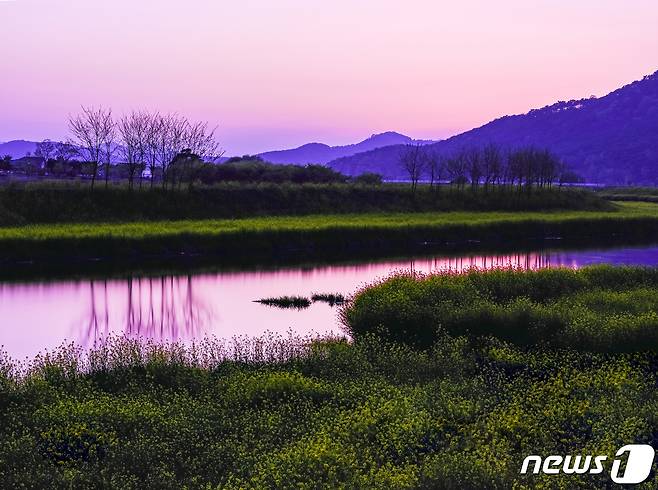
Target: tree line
525, 167
165, 146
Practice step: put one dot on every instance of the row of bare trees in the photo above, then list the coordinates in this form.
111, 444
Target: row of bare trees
140, 140
484, 166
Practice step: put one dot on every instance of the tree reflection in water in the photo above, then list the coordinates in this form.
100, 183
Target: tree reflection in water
171, 308
159, 308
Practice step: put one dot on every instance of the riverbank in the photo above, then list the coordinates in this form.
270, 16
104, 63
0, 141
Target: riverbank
645, 194
70, 203
317, 236
289, 414
602, 308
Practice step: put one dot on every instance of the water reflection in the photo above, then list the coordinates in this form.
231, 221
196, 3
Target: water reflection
39, 315
160, 308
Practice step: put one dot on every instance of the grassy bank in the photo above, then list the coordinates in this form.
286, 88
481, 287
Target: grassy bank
603, 308
66, 203
646, 194
461, 415
318, 236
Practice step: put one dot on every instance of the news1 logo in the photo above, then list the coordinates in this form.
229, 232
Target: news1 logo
639, 461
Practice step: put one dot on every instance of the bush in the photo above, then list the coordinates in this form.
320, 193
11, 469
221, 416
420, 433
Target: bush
599, 308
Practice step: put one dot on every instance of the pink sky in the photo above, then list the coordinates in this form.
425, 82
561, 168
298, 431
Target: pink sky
279, 73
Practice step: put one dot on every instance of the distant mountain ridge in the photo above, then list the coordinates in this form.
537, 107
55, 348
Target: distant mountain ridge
321, 153
611, 139
17, 148
308, 153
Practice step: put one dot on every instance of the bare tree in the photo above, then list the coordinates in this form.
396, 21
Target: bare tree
45, 150
200, 146
200, 140
91, 130
172, 132
474, 166
435, 165
492, 164
64, 152
413, 161
549, 168
133, 131
109, 145
151, 143
456, 168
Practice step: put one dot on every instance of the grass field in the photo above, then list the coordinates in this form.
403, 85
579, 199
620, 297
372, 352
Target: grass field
142, 230
462, 414
318, 235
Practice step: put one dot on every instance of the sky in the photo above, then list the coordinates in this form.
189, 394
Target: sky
275, 74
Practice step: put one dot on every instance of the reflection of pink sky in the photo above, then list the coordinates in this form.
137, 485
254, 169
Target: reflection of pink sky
38, 316
282, 73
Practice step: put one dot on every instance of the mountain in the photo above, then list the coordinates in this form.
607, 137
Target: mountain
17, 148
611, 139
321, 153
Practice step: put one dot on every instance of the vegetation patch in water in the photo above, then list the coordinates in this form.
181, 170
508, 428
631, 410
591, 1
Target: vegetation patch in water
297, 302
331, 298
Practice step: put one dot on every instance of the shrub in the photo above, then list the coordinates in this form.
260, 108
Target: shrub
596, 308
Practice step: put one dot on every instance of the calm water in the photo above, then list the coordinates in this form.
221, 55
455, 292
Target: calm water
42, 315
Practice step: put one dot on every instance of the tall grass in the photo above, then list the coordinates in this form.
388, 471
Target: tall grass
322, 414
599, 308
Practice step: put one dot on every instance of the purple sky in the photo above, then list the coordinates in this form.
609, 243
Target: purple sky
276, 74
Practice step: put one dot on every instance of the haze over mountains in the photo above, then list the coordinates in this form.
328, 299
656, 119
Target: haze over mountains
611, 139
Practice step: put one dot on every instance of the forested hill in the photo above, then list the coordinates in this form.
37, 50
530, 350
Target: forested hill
611, 139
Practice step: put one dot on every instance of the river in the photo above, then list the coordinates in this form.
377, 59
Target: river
37, 316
